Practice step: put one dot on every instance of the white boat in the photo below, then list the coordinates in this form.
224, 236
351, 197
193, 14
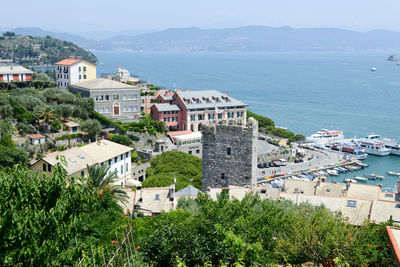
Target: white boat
332, 172
394, 173
373, 68
376, 176
359, 178
348, 180
389, 143
324, 136
354, 149
373, 147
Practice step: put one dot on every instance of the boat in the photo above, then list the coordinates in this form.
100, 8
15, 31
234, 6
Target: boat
324, 136
359, 178
376, 176
373, 68
373, 147
332, 172
348, 180
352, 148
389, 143
394, 173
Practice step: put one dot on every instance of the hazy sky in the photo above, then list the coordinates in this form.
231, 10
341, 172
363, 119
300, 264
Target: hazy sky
117, 15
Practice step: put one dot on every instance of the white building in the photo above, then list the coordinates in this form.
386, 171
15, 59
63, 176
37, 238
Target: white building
74, 70
103, 152
37, 139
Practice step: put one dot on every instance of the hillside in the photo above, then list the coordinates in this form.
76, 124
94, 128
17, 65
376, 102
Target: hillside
255, 38
39, 50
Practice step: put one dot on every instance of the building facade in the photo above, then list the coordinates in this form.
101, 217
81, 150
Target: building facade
229, 153
103, 152
196, 108
10, 73
74, 70
115, 100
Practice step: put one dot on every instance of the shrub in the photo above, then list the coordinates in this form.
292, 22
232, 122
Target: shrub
56, 125
133, 137
121, 139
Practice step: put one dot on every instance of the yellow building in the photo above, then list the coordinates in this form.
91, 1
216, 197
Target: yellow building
103, 152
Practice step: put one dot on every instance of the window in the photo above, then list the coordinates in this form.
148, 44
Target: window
122, 169
228, 151
190, 152
124, 108
122, 157
115, 160
107, 96
84, 77
192, 117
126, 167
49, 167
84, 69
123, 97
220, 116
211, 116
107, 110
80, 76
157, 197
109, 162
44, 167
82, 173
127, 154
223, 176
115, 97
230, 115
240, 114
197, 151
79, 70
201, 117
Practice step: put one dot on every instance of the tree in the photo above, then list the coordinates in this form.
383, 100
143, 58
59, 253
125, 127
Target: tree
102, 178
91, 127
121, 139
6, 140
9, 156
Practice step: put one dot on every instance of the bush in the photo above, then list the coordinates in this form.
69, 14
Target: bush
133, 137
9, 156
106, 121
24, 129
121, 139
56, 125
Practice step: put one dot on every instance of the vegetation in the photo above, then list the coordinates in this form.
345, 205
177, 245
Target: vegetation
91, 127
170, 165
255, 232
121, 139
40, 50
52, 222
266, 125
106, 121
146, 124
9, 154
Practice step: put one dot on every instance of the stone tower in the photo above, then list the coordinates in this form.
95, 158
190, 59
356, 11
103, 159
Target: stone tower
229, 153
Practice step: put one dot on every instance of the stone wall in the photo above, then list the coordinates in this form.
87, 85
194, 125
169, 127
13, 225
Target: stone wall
229, 153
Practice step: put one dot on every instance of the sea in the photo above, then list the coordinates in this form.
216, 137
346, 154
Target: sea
303, 91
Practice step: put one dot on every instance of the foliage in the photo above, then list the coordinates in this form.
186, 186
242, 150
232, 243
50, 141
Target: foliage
102, 178
56, 125
133, 137
121, 139
255, 232
6, 127
24, 129
6, 140
92, 127
146, 124
134, 156
9, 156
49, 222
68, 136
106, 121
40, 50
170, 165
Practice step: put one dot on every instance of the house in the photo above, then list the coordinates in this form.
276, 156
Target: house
74, 70
112, 99
152, 201
103, 152
149, 100
187, 110
187, 192
10, 73
71, 126
37, 139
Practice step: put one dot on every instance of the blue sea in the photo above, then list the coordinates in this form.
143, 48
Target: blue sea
303, 91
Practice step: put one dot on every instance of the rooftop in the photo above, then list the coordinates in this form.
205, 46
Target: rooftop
36, 136
78, 158
166, 107
188, 191
71, 124
71, 61
363, 191
14, 69
102, 83
207, 99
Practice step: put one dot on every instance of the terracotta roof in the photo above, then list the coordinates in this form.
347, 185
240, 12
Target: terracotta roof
14, 69
68, 61
36, 136
175, 133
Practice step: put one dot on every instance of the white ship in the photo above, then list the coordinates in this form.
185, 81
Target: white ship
325, 136
373, 147
389, 143
354, 149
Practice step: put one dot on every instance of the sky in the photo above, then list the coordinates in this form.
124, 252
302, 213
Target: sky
80, 16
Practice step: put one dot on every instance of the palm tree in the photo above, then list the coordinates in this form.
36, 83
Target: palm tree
101, 178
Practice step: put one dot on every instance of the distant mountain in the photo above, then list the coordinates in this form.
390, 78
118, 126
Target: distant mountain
255, 38
34, 31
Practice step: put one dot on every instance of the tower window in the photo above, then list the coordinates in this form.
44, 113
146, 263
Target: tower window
228, 151
223, 176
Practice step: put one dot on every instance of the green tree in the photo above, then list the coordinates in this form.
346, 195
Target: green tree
121, 139
91, 127
6, 140
9, 156
102, 178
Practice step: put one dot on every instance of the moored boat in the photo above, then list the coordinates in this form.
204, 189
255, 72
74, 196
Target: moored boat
324, 136
388, 143
373, 147
348, 180
394, 173
359, 178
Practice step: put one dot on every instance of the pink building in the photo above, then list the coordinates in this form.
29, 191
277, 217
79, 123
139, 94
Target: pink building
186, 110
